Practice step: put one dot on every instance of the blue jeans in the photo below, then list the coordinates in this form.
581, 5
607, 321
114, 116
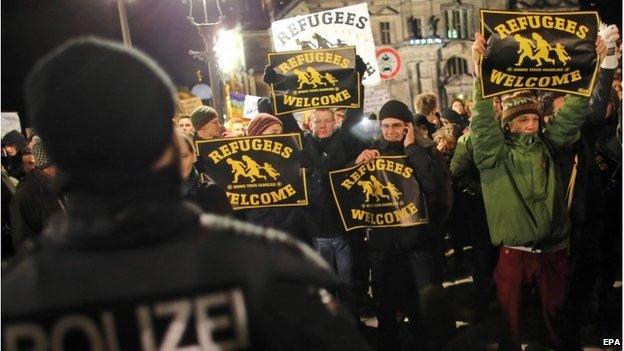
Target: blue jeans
336, 252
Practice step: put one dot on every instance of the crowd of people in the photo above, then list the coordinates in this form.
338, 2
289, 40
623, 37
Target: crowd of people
99, 215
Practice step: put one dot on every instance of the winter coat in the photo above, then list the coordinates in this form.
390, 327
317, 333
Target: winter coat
207, 194
430, 173
319, 157
136, 275
521, 183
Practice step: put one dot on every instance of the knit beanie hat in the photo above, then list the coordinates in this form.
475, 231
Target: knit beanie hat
395, 109
14, 138
100, 106
202, 115
41, 156
262, 122
518, 103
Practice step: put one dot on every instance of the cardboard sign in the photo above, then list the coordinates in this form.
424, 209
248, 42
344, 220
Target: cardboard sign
314, 79
375, 98
250, 109
539, 51
345, 26
257, 172
189, 105
381, 193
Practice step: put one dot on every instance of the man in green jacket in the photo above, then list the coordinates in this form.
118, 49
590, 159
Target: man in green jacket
524, 198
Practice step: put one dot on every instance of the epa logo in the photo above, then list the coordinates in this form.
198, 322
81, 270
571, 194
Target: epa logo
611, 342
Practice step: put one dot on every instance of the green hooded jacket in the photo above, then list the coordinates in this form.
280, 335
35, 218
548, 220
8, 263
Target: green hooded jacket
522, 190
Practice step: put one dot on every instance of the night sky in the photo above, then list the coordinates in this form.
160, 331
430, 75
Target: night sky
34, 27
30, 28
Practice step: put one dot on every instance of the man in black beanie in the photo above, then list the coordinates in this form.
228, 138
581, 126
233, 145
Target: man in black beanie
132, 267
410, 250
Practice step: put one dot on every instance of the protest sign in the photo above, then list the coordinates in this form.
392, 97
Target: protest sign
381, 193
189, 105
539, 51
313, 79
375, 98
345, 26
250, 109
257, 172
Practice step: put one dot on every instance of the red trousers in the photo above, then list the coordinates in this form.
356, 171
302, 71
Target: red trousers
549, 272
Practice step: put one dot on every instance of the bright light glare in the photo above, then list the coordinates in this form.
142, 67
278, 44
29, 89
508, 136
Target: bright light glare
229, 50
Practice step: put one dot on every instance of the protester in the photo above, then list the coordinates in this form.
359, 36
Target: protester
339, 115
288, 219
411, 250
206, 123
130, 247
12, 144
324, 150
525, 204
35, 200
425, 105
28, 160
237, 128
457, 105
185, 125
199, 188
468, 218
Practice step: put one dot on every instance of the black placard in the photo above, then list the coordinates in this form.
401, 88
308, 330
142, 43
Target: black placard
311, 79
381, 193
539, 51
257, 172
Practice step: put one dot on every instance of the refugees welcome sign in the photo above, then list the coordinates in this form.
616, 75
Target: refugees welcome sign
257, 172
381, 193
539, 51
345, 26
314, 79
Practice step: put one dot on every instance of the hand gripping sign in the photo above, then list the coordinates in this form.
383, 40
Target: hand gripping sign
314, 79
380, 193
257, 172
539, 51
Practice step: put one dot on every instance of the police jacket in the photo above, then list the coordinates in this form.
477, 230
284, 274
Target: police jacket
428, 173
162, 275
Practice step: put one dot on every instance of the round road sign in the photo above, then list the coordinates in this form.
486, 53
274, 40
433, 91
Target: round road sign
389, 62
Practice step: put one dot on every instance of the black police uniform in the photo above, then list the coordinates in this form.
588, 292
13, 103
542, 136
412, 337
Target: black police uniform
163, 275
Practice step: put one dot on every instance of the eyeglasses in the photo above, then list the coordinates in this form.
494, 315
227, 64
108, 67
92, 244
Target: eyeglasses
214, 122
392, 126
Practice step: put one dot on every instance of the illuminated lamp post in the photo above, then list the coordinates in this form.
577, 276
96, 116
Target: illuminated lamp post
207, 31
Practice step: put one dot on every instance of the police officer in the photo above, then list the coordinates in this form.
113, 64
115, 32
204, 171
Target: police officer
132, 267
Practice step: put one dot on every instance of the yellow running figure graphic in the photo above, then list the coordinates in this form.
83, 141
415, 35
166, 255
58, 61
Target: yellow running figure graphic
272, 172
315, 77
367, 189
562, 54
331, 79
542, 50
525, 48
395, 194
252, 168
302, 78
238, 168
378, 188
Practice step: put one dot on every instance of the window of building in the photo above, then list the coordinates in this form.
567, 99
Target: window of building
457, 23
384, 29
415, 24
456, 66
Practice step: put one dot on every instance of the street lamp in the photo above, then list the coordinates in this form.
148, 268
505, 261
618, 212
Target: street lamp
207, 31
